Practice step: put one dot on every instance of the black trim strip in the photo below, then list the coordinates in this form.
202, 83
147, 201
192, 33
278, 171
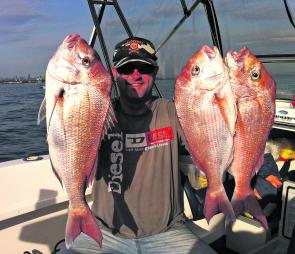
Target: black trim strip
285, 209
290, 16
213, 23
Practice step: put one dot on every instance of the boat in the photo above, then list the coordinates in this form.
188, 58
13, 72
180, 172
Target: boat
34, 205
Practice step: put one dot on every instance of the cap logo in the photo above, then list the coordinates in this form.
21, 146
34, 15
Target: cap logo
133, 46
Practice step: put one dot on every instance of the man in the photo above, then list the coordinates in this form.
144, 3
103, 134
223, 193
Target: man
137, 195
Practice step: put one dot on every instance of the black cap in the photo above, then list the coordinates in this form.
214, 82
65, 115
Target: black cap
134, 49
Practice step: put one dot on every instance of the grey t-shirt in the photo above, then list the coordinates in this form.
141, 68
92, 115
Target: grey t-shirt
137, 191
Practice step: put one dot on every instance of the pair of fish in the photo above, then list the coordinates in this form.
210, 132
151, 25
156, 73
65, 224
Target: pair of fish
78, 111
226, 110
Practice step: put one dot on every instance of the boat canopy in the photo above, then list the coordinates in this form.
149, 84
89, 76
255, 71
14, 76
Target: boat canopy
178, 28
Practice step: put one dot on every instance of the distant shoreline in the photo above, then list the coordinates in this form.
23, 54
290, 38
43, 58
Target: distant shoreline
22, 82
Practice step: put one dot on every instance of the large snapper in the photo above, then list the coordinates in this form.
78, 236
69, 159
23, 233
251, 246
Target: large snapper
254, 90
77, 100
207, 113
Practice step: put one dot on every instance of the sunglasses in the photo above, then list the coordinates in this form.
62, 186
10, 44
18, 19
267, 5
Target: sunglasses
129, 68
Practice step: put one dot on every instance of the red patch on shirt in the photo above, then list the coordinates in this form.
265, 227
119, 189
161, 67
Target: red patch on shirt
159, 136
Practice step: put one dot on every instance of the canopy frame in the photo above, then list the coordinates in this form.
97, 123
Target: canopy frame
97, 32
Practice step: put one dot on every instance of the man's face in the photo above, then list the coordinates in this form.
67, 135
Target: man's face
135, 81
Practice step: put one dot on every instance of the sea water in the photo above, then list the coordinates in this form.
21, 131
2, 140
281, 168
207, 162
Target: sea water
20, 136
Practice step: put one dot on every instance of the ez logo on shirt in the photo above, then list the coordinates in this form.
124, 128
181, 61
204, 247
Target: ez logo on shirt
137, 141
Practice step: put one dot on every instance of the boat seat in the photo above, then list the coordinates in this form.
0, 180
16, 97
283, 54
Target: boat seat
194, 204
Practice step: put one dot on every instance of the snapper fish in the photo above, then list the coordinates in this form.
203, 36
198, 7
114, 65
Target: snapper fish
78, 111
207, 113
255, 92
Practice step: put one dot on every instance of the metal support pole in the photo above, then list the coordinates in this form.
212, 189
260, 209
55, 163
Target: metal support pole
108, 2
102, 42
214, 28
184, 7
94, 33
122, 18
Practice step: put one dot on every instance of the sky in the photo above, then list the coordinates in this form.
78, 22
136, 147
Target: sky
31, 30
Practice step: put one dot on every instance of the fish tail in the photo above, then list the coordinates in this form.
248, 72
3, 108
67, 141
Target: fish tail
82, 220
215, 202
247, 202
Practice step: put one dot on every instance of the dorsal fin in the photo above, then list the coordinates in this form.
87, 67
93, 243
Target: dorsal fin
93, 172
49, 121
110, 120
42, 112
55, 172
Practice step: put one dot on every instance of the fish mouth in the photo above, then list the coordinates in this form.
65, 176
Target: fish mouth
63, 71
209, 52
236, 58
242, 54
62, 80
71, 40
215, 76
211, 82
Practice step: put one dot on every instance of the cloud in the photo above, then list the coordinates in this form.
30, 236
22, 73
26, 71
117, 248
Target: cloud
17, 34
166, 10
283, 34
252, 9
17, 19
270, 41
284, 39
114, 27
14, 20
132, 21
19, 11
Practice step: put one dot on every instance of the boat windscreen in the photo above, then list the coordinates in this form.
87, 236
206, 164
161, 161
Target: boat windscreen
261, 25
154, 20
264, 27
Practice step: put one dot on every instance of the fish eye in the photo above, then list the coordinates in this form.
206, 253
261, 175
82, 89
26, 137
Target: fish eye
85, 61
255, 74
195, 70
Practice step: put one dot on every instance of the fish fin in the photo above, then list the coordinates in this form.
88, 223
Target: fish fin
215, 202
247, 202
259, 163
228, 109
230, 160
110, 120
42, 112
58, 94
49, 121
229, 170
93, 172
81, 220
55, 172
